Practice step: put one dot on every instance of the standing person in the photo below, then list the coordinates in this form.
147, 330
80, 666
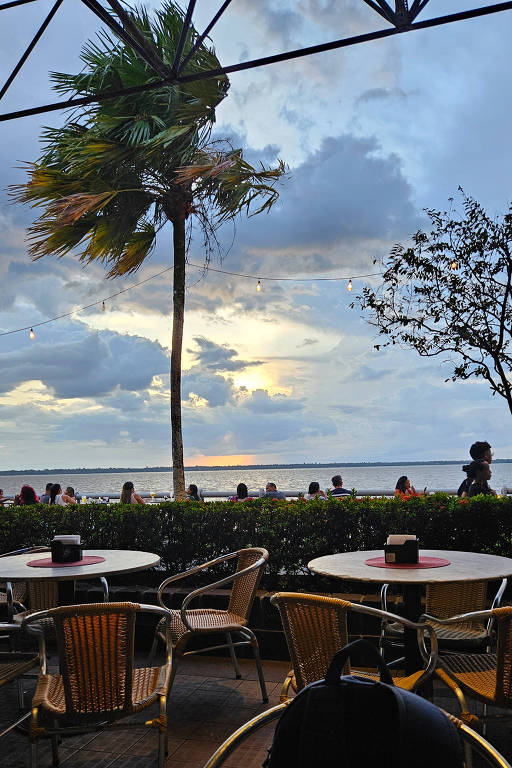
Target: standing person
338, 489
45, 497
479, 451
271, 492
314, 491
242, 494
480, 483
128, 495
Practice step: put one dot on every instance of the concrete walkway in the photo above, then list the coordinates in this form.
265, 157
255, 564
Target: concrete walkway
205, 706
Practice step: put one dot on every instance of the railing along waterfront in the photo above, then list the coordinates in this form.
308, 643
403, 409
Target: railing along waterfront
153, 498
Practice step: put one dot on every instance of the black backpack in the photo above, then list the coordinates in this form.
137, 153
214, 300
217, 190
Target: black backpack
356, 722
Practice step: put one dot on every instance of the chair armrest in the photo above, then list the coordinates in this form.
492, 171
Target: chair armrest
209, 587
190, 572
472, 616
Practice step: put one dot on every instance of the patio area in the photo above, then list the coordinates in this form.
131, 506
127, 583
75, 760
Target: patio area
205, 706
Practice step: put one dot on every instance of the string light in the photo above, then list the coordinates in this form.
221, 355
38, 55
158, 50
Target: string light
454, 265
197, 266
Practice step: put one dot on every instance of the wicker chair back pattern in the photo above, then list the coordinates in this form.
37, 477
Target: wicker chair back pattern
304, 623
43, 595
445, 600
503, 617
96, 682
244, 588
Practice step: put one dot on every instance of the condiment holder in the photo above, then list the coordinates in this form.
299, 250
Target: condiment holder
401, 549
66, 549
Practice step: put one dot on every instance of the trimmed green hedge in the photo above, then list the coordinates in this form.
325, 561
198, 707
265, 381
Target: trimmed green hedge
295, 532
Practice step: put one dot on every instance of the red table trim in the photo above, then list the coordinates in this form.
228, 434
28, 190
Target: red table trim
423, 562
47, 562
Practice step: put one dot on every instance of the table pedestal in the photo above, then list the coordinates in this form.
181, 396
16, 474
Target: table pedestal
412, 611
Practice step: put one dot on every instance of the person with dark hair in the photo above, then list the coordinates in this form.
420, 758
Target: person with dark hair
45, 497
338, 489
128, 495
242, 494
481, 473
193, 492
1, 497
271, 492
55, 493
314, 491
69, 495
27, 495
404, 488
479, 452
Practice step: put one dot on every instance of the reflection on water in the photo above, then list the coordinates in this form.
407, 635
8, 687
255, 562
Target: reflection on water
370, 478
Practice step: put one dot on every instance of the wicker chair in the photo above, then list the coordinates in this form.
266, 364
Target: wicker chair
190, 623
315, 628
444, 601
98, 683
486, 677
14, 595
470, 738
14, 664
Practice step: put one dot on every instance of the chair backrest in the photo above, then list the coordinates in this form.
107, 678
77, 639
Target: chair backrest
315, 628
43, 595
445, 600
96, 644
244, 588
503, 618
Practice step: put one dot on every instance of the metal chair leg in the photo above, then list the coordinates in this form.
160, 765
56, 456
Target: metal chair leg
257, 659
162, 736
232, 653
55, 746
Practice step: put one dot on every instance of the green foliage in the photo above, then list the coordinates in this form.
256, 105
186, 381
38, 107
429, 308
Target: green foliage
187, 533
450, 294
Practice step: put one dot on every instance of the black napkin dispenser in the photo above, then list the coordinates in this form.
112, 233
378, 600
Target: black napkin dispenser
62, 552
402, 554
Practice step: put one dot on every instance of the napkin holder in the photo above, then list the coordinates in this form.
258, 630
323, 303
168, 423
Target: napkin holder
401, 550
66, 549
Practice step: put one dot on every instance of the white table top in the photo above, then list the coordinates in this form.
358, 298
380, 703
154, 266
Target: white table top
464, 566
15, 568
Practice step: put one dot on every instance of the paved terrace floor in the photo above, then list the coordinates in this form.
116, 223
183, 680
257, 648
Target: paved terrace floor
205, 706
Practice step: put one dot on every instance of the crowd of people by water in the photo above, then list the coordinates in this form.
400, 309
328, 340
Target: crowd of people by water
478, 473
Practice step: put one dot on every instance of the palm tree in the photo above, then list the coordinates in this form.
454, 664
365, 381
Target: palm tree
118, 171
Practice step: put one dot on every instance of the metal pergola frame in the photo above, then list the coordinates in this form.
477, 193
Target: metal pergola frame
402, 19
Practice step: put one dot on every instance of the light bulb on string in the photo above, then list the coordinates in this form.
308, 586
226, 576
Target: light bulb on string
258, 286
102, 306
454, 265
349, 285
32, 334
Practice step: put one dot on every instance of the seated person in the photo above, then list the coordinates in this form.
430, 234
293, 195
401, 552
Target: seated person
27, 495
405, 489
338, 489
128, 495
314, 491
1, 497
242, 494
193, 493
69, 497
271, 492
45, 497
481, 475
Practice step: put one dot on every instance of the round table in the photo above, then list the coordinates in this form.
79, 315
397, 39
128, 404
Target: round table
464, 566
15, 568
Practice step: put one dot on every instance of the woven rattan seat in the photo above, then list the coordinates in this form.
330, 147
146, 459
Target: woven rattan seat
315, 628
190, 623
486, 677
97, 683
449, 599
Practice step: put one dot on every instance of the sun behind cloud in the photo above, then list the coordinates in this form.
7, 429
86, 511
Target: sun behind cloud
221, 461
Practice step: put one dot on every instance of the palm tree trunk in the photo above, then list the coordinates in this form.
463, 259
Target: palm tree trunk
178, 473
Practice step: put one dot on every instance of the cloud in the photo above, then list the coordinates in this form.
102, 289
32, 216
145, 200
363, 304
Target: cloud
219, 357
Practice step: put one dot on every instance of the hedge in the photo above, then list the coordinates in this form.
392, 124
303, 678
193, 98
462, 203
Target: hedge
294, 532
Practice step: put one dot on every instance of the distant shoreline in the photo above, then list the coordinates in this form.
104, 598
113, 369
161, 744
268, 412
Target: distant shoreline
197, 468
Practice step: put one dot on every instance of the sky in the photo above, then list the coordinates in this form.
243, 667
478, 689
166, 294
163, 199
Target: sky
372, 136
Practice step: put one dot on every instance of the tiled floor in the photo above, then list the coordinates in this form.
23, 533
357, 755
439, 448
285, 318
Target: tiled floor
205, 706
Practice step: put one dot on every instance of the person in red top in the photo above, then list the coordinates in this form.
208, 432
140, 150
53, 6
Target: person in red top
405, 489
